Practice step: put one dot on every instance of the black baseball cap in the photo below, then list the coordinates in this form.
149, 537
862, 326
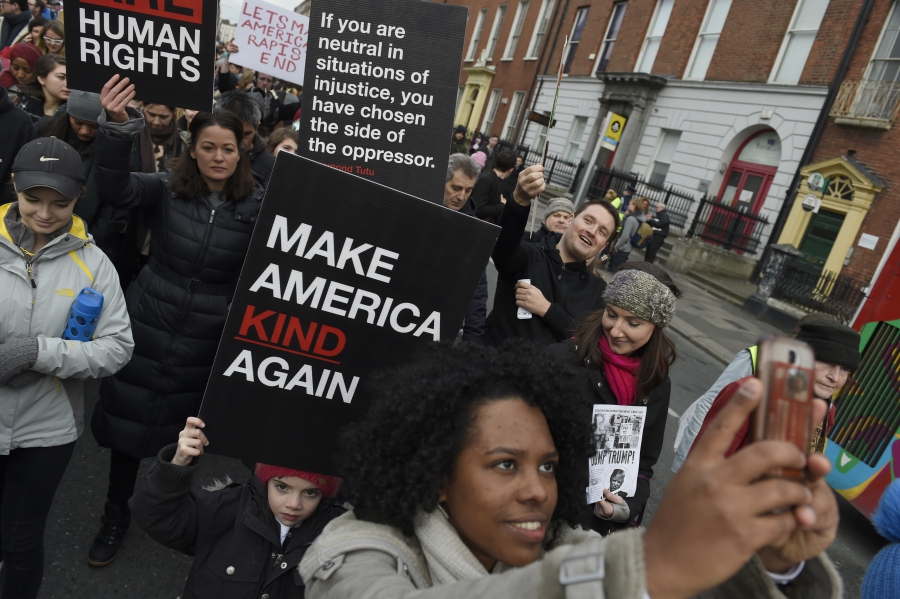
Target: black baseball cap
49, 162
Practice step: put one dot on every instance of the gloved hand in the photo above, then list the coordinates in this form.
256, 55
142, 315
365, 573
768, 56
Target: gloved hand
23, 379
17, 355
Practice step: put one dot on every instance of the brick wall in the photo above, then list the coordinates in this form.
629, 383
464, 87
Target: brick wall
681, 33
833, 35
631, 35
878, 150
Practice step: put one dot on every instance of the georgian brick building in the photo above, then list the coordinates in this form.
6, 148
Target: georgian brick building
721, 99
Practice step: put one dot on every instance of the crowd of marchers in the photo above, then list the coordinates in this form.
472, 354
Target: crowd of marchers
479, 487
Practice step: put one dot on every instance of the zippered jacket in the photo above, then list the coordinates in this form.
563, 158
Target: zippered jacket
231, 532
37, 293
178, 303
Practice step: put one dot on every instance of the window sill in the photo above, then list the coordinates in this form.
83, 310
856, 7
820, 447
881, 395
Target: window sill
882, 124
530, 58
506, 59
468, 60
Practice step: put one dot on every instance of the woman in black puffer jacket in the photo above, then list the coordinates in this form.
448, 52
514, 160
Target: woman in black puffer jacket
202, 215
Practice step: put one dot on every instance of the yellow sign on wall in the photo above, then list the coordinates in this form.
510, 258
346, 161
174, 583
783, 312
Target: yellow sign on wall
613, 131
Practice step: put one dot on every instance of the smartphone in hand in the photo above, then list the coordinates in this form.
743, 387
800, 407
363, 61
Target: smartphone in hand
786, 368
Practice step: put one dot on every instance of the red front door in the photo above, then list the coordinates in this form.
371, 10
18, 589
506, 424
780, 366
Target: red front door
744, 191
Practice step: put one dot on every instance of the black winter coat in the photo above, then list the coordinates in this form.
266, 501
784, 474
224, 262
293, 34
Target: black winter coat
572, 291
261, 162
17, 131
486, 195
660, 223
597, 391
177, 304
475, 323
232, 534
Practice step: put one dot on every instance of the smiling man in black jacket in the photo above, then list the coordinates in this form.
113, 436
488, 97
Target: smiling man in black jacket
561, 290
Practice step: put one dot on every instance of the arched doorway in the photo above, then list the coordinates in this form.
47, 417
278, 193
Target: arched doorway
751, 171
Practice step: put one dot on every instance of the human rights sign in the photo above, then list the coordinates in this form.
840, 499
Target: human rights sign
166, 48
380, 90
343, 276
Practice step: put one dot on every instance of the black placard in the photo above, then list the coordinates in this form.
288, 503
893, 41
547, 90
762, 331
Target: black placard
166, 47
394, 64
410, 284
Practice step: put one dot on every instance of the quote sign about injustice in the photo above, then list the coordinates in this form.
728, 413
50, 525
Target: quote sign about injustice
380, 90
165, 47
322, 302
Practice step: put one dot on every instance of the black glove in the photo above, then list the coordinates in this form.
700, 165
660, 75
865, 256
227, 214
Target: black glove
17, 355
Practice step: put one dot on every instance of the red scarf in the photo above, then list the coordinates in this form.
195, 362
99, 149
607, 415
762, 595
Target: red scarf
620, 371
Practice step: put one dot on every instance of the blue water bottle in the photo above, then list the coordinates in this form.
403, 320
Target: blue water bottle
83, 315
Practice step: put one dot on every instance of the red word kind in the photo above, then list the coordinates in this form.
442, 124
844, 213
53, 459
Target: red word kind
286, 333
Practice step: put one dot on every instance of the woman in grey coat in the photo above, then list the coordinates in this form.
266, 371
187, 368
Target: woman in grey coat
46, 258
476, 490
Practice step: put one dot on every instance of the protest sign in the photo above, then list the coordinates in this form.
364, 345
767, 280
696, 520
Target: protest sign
166, 48
343, 276
617, 433
271, 40
380, 93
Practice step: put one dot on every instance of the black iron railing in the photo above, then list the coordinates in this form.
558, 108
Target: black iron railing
678, 201
807, 286
728, 227
557, 172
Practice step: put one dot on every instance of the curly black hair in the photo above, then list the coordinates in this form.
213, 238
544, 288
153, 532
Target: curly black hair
396, 459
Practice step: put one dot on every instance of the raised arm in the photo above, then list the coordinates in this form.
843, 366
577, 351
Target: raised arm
116, 184
510, 252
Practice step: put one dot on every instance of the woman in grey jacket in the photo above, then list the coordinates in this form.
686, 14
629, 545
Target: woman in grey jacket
475, 491
46, 259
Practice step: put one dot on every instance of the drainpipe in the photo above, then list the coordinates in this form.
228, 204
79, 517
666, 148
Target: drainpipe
556, 13
861, 19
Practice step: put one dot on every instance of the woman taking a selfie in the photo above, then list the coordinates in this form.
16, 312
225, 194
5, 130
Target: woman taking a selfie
476, 490
626, 356
201, 216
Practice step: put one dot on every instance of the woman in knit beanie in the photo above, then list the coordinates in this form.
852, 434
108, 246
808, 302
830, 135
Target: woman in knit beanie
627, 357
882, 579
246, 539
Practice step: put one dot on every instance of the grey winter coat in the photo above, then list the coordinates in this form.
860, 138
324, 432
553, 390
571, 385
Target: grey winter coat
629, 228
50, 411
353, 559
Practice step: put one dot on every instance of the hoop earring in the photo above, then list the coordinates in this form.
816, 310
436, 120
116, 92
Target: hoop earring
443, 511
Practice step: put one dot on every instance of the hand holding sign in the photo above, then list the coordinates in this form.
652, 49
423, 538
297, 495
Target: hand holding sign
530, 184
191, 442
604, 508
115, 96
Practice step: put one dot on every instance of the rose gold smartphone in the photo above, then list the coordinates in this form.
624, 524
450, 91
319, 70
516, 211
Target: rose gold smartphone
787, 370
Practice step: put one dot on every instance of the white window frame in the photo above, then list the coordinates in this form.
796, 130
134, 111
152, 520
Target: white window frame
493, 38
476, 34
572, 48
540, 139
895, 6
512, 117
606, 38
787, 39
703, 33
544, 17
659, 145
516, 31
490, 111
572, 141
650, 28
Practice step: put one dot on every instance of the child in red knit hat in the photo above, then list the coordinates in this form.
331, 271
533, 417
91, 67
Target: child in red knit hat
247, 540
